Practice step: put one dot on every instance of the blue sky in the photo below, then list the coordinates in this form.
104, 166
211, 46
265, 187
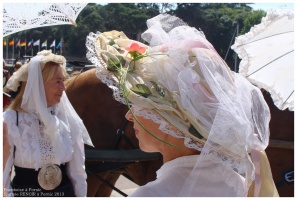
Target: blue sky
268, 6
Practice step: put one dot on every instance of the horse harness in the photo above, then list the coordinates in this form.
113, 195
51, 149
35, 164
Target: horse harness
121, 134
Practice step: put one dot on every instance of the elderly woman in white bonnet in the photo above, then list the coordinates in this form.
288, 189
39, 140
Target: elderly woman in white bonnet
209, 123
43, 130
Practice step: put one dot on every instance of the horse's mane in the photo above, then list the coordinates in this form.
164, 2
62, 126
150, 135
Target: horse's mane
71, 76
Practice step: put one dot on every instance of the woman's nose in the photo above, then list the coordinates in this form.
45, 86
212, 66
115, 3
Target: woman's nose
63, 86
129, 116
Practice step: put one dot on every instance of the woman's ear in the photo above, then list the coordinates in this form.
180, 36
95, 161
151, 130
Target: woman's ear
129, 116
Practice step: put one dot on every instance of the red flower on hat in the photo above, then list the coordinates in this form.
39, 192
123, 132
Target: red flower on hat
135, 49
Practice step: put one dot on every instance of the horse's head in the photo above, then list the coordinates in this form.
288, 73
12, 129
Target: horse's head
100, 112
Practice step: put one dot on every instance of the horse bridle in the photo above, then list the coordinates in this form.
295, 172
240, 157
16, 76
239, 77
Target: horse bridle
121, 134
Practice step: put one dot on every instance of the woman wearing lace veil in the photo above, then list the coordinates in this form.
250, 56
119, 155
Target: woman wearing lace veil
44, 131
209, 123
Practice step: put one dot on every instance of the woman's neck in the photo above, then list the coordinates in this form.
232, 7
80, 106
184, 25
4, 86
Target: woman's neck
170, 153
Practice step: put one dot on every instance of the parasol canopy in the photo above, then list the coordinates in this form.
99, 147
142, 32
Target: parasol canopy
18, 17
267, 53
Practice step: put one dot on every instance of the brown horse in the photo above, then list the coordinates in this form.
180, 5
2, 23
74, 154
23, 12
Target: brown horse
280, 150
102, 115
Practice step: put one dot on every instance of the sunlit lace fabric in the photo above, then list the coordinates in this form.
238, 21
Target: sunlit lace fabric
33, 15
34, 149
229, 113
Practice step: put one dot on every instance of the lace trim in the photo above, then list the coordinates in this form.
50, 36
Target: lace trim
166, 127
109, 79
102, 74
214, 153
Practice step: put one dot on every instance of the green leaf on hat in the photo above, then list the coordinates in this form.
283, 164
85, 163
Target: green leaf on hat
113, 64
159, 88
194, 132
141, 89
117, 47
111, 42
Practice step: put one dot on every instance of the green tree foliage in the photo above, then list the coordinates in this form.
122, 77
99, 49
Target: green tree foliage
88, 21
217, 20
252, 18
126, 17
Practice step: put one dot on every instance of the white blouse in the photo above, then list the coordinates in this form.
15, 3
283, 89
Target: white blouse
34, 149
172, 176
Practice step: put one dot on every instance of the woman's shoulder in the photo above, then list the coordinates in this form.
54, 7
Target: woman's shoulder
14, 117
157, 188
9, 115
179, 163
146, 191
10, 118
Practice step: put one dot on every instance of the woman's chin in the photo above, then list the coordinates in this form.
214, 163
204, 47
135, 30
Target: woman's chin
146, 149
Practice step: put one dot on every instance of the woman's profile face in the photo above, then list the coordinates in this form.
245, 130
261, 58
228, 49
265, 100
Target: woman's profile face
54, 88
147, 142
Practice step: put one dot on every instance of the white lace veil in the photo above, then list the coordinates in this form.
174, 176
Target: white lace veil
230, 114
34, 101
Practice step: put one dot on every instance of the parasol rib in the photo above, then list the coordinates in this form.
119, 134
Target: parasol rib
265, 38
288, 97
269, 63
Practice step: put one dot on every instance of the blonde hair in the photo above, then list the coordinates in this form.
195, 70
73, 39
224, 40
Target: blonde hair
50, 69
48, 73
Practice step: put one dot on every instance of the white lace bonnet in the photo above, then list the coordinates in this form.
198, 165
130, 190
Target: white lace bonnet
192, 88
34, 101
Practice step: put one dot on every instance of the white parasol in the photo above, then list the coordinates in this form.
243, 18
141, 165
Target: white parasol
18, 17
267, 53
